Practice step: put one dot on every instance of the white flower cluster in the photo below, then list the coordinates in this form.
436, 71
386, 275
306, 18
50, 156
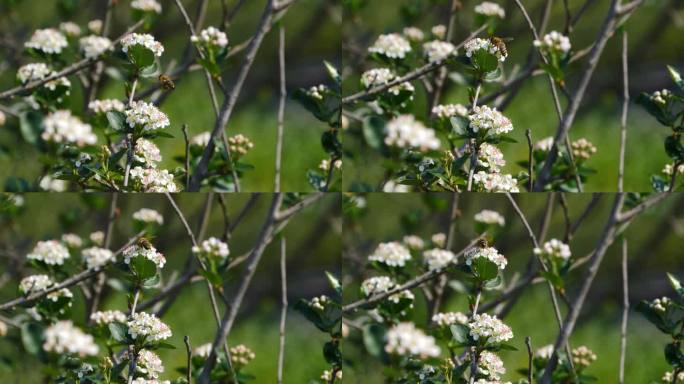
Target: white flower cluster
95, 26
147, 215
70, 28
72, 240
50, 252
668, 377
35, 283
490, 365
405, 131
668, 169
553, 42
490, 217
325, 165
96, 257
438, 258
392, 254
375, 285
484, 326
545, 352
154, 180
146, 5
413, 34
201, 140
62, 127
106, 105
32, 72
496, 182
148, 326
211, 36
392, 46
147, 152
447, 319
406, 340
240, 355
380, 76
544, 145
202, 351
239, 144
319, 303
554, 248
438, 50
140, 251
47, 183
439, 239
661, 97
93, 45
582, 149
661, 304
490, 157
107, 317
97, 237
413, 242
449, 110
489, 253
64, 338
317, 91
477, 44
149, 364
582, 356
392, 186
146, 116
488, 8
439, 31
489, 119
50, 41
213, 247
144, 40
327, 375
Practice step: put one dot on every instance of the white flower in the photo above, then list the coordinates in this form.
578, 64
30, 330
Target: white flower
149, 364
545, 352
413, 34
203, 351
93, 46
147, 152
213, 247
393, 46
146, 5
212, 37
376, 77
201, 140
489, 253
64, 338
544, 145
490, 365
490, 217
438, 258
668, 169
325, 165
488, 8
32, 72
661, 304
489, 119
148, 326
439, 31
50, 41
144, 40
106, 105
95, 257
404, 131
554, 248
413, 242
449, 110
48, 183
553, 42
107, 317
582, 356
582, 149
327, 375
477, 44
140, 251
392, 186
406, 340
95, 26
496, 182
3, 329
3, 118
668, 377
437, 50
50, 252
317, 91
319, 303
97, 237
62, 127
154, 180
392, 254
147, 215
661, 97
375, 285
56, 295
439, 239
449, 318
240, 355
239, 144
72, 240
146, 116
489, 327
35, 283
70, 28
491, 157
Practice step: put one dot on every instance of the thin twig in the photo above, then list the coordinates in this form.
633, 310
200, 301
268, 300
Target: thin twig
187, 155
188, 351
530, 164
283, 311
625, 312
530, 357
281, 108
623, 119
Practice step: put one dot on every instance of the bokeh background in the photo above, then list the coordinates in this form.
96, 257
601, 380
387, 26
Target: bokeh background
312, 36
313, 247
654, 41
654, 248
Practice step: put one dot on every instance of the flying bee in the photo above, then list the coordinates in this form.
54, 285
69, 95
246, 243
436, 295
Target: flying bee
500, 43
145, 243
166, 82
482, 243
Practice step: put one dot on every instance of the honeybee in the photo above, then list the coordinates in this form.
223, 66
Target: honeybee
145, 243
166, 82
482, 243
500, 43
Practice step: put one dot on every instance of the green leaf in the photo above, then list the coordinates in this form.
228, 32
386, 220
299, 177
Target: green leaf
485, 269
374, 131
140, 56
119, 332
673, 147
331, 143
459, 125
32, 338
374, 339
331, 353
117, 120
143, 268
31, 126
655, 109
673, 355
460, 333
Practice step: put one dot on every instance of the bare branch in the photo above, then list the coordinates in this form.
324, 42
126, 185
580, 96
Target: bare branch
281, 108
283, 310
625, 106
625, 312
